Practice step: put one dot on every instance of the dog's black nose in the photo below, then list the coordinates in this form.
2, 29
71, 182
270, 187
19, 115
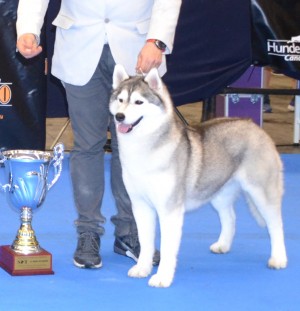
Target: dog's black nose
120, 117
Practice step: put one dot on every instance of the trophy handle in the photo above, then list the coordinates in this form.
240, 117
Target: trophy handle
2, 156
58, 155
3, 188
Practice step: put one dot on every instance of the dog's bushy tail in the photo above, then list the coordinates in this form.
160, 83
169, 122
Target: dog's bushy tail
255, 212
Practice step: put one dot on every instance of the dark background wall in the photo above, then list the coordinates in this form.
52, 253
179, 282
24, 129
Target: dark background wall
215, 42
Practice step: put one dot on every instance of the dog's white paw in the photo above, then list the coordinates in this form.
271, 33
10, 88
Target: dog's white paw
219, 248
139, 272
275, 263
157, 280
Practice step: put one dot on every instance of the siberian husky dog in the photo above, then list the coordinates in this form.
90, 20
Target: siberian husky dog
169, 168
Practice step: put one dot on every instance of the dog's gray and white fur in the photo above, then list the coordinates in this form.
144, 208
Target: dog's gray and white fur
169, 168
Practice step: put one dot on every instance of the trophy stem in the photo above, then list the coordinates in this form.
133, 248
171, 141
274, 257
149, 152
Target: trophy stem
25, 241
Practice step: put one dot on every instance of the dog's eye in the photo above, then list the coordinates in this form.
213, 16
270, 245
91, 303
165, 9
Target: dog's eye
139, 102
120, 100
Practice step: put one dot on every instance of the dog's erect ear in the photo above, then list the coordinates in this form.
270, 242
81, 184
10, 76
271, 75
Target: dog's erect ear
119, 75
153, 79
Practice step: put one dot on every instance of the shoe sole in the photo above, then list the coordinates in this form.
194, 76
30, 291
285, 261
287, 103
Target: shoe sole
125, 253
131, 255
81, 266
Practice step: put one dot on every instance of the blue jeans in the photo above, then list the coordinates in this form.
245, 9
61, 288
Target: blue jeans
90, 119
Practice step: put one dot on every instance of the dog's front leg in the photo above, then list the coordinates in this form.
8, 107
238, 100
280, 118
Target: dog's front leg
171, 222
145, 218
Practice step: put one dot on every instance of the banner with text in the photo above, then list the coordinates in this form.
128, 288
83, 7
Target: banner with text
22, 89
276, 35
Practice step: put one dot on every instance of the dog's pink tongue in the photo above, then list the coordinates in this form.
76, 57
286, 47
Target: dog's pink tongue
124, 128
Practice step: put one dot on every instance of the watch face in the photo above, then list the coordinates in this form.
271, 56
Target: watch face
160, 45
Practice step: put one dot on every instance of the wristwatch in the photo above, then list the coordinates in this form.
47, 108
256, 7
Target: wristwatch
159, 44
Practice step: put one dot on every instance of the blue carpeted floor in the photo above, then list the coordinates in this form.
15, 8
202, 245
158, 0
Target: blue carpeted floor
239, 280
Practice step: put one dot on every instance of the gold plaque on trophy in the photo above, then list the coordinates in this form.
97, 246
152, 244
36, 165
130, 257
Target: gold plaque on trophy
20, 264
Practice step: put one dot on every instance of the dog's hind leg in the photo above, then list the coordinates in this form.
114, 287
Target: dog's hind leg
171, 222
223, 203
145, 218
268, 204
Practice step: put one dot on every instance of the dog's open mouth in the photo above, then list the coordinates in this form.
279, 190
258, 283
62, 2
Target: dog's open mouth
126, 128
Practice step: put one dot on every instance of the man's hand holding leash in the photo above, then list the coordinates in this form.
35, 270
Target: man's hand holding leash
28, 45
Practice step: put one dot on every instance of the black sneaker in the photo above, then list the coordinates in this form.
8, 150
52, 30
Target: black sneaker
87, 251
129, 246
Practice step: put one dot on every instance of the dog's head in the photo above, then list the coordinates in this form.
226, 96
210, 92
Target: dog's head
136, 100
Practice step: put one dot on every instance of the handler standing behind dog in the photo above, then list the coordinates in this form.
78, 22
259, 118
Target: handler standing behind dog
91, 37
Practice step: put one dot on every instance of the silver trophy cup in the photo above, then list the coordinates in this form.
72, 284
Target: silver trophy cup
28, 172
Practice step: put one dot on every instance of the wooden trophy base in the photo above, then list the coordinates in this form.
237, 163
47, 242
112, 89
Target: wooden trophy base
20, 264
